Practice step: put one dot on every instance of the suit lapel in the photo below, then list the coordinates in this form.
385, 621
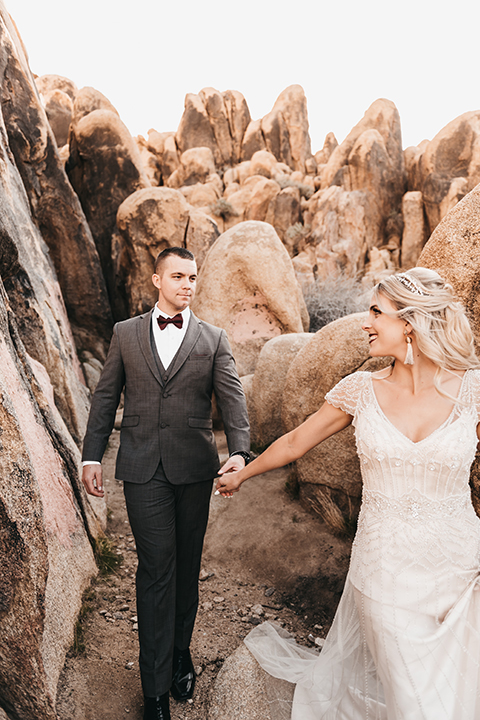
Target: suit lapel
191, 336
143, 334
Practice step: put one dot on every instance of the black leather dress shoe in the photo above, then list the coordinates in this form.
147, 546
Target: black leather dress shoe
157, 708
183, 681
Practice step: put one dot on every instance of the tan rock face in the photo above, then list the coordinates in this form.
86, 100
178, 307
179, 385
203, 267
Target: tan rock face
238, 117
284, 211
329, 475
277, 138
453, 251
49, 83
59, 109
342, 226
268, 385
87, 100
54, 206
201, 234
453, 153
262, 195
47, 560
150, 161
292, 104
247, 286
253, 140
197, 165
194, 129
218, 117
148, 221
104, 168
323, 155
414, 230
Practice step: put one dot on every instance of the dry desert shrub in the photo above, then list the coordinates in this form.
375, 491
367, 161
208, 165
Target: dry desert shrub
333, 298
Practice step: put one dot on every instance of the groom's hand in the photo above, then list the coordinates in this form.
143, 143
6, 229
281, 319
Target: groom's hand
233, 464
92, 480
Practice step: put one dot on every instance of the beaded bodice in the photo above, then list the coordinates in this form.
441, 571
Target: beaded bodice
416, 509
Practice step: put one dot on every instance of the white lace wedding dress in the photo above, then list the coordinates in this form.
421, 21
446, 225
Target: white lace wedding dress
405, 641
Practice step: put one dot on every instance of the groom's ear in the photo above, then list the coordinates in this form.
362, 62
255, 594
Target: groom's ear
156, 281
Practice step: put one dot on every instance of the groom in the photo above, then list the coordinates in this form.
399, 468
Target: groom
167, 362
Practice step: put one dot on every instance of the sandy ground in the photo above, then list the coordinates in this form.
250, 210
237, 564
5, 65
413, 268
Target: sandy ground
262, 549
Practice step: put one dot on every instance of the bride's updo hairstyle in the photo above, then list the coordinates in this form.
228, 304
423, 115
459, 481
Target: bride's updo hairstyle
439, 322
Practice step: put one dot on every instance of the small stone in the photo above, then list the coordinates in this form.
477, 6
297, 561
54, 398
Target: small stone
128, 665
118, 615
311, 638
124, 608
205, 575
135, 626
320, 642
134, 619
198, 670
255, 620
102, 612
190, 701
218, 599
318, 627
257, 610
269, 592
207, 606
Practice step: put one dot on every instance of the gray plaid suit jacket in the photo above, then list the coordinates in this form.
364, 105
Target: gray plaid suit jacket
168, 413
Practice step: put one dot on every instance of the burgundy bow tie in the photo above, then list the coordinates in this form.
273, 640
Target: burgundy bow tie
163, 322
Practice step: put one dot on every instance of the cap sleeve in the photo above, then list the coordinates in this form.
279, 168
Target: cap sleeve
346, 393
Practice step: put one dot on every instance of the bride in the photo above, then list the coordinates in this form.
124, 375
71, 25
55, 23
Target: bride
405, 641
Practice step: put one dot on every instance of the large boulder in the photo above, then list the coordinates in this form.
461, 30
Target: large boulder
46, 557
453, 251
343, 225
248, 287
253, 140
329, 475
284, 211
148, 221
414, 230
238, 117
292, 104
53, 203
452, 158
49, 83
243, 691
87, 100
268, 384
218, 116
194, 129
104, 168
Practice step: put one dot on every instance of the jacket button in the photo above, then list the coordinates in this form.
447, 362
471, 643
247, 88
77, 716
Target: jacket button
165, 377
165, 395
163, 425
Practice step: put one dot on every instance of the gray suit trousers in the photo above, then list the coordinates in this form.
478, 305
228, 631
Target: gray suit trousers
169, 523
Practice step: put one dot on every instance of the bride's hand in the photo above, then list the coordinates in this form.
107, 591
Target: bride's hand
228, 484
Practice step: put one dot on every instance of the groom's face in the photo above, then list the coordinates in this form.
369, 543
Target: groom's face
176, 283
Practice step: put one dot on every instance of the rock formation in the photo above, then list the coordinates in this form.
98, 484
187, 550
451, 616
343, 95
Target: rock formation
247, 286
104, 168
265, 408
54, 206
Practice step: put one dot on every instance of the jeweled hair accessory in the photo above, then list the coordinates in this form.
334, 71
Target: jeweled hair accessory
408, 282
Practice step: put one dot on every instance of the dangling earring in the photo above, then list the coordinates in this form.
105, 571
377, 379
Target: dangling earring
409, 356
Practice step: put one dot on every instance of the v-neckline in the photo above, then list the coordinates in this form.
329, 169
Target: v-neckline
440, 427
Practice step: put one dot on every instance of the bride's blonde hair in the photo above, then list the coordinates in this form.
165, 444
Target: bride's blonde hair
440, 325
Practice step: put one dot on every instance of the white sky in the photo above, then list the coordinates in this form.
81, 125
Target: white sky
146, 55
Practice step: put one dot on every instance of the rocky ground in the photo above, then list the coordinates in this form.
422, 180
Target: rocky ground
265, 557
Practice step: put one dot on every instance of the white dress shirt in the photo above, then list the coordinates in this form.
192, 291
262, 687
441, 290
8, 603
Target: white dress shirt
168, 341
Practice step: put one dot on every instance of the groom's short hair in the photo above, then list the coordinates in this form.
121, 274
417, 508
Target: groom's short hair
178, 251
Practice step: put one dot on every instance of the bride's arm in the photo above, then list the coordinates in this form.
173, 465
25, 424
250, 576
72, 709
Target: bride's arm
325, 422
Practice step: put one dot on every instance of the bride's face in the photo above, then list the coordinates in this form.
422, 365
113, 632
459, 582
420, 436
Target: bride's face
386, 333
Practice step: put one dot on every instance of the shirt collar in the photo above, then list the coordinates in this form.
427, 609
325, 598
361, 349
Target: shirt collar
185, 314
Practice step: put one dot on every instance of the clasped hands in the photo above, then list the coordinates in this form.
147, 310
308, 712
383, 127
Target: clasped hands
228, 481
